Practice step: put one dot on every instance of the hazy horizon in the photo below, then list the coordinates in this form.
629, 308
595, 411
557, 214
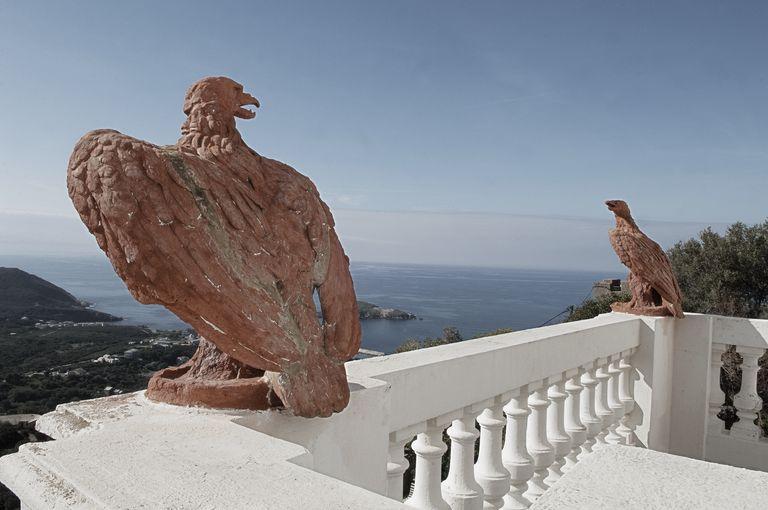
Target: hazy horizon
404, 237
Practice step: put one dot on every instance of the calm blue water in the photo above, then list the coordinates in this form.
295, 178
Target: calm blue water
475, 300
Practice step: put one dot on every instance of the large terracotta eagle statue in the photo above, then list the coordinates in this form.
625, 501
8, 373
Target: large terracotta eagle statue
651, 280
236, 245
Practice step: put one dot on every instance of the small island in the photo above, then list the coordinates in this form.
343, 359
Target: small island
371, 311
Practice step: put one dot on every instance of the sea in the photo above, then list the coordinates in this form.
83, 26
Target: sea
474, 300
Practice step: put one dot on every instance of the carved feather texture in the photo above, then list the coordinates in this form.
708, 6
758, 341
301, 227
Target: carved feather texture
648, 263
233, 243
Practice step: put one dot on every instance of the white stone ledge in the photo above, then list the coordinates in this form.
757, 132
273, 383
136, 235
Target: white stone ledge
639, 479
431, 382
126, 452
727, 449
740, 332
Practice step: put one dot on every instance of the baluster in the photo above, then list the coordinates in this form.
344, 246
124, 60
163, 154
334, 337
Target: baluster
573, 426
747, 402
614, 403
515, 454
429, 449
536, 438
460, 489
489, 469
589, 417
556, 434
626, 382
397, 464
601, 402
716, 394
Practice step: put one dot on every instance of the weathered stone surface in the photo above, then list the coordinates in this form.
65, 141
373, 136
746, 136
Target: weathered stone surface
651, 280
233, 243
616, 476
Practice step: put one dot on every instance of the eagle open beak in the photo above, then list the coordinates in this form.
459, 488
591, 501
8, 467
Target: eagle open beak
245, 113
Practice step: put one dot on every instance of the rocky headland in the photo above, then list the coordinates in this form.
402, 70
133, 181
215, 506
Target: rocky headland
29, 297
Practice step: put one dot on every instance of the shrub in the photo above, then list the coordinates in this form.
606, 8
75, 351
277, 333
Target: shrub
595, 306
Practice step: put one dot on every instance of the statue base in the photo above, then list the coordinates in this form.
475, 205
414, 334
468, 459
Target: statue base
213, 379
652, 310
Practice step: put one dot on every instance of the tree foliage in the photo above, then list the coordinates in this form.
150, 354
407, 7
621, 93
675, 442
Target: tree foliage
724, 274
595, 306
450, 335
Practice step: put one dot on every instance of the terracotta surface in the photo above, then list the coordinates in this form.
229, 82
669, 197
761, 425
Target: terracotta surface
234, 244
653, 284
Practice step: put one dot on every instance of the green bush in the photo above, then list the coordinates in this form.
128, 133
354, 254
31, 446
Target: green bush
450, 335
595, 306
495, 332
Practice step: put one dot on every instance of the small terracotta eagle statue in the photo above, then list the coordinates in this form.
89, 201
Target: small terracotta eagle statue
236, 245
653, 284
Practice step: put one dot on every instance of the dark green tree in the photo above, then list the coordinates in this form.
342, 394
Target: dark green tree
724, 274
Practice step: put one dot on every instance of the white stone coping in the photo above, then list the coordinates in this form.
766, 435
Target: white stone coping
84, 416
741, 332
128, 453
432, 382
639, 479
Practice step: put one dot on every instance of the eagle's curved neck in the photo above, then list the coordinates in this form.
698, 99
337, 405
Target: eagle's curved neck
628, 222
208, 125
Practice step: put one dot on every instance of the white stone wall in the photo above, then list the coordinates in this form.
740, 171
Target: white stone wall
644, 381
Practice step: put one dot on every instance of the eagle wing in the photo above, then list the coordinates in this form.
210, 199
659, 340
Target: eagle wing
648, 262
159, 227
115, 183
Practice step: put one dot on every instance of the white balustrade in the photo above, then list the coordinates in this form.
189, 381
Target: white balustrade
589, 416
602, 409
573, 426
540, 450
515, 455
747, 401
716, 394
614, 403
460, 489
397, 465
626, 427
429, 449
490, 472
551, 423
548, 431
556, 433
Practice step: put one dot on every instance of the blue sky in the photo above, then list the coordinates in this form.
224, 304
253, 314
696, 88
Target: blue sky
418, 112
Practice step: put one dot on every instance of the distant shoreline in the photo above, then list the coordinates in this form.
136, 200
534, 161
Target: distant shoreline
472, 300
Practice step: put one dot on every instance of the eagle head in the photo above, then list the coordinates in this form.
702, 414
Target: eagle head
220, 95
619, 208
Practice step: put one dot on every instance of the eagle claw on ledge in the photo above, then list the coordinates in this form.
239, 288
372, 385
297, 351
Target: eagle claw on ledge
234, 244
